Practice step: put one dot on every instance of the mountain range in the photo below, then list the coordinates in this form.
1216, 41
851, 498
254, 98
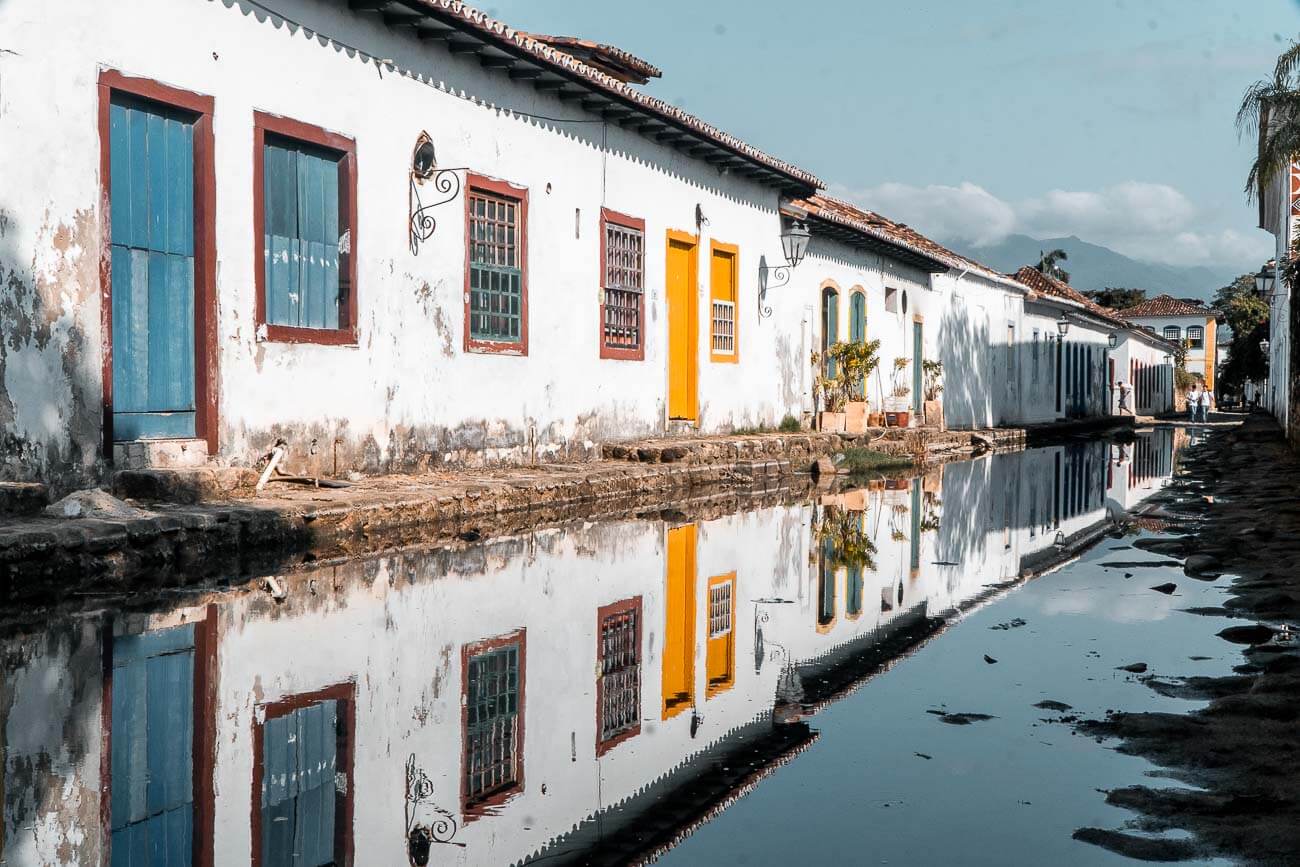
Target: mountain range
1092, 266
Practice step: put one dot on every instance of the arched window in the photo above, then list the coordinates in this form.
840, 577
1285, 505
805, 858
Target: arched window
858, 317
1196, 336
830, 326
1173, 332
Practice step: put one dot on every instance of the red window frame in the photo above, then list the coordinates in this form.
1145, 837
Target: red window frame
503, 189
602, 614
346, 333
607, 217
471, 811
346, 696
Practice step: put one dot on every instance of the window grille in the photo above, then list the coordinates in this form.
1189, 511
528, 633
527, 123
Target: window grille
1195, 336
492, 723
724, 327
496, 277
624, 285
620, 674
1172, 332
720, 609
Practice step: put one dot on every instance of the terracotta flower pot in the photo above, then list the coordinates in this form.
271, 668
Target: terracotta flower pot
832, 422
855, 416
876, 419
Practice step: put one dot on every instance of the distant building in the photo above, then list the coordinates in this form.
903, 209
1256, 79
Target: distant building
1178, 320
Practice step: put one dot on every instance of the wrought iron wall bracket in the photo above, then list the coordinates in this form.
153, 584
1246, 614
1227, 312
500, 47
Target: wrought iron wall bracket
766, 273
446, 184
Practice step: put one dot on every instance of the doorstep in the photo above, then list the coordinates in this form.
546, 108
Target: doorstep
160, 454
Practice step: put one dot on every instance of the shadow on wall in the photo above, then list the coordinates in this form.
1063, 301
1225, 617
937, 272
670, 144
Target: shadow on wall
964, 350
50, 409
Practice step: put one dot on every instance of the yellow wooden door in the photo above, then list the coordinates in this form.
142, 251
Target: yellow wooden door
683, 327
679, 626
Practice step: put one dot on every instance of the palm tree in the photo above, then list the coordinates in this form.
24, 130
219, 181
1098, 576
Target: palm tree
1270, 109
1047, 264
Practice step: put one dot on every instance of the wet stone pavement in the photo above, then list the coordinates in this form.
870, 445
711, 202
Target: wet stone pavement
964, 667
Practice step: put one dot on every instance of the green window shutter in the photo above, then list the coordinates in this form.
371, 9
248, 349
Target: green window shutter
301, 202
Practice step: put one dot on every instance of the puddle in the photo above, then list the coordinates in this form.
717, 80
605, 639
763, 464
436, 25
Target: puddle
876, 675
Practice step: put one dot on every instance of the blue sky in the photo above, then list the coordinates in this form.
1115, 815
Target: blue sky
1108, 119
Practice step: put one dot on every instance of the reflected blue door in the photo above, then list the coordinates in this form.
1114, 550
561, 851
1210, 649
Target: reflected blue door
151, 164
918, 381
152, 755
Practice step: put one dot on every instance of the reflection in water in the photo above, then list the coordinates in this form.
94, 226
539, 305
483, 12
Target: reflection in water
587, 693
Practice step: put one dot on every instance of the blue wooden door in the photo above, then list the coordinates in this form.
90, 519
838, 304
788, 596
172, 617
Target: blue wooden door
300, 751
918, 381
151, 157
152, 760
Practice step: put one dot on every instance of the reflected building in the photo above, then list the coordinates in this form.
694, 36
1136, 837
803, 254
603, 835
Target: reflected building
585, 693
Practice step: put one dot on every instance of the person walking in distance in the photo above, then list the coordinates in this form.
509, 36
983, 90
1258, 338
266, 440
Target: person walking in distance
1207, 401
1194, 403
1125, 394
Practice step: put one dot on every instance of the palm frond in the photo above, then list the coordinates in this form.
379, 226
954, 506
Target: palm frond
1288, 63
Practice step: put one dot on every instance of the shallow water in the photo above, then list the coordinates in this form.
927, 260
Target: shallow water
719, 684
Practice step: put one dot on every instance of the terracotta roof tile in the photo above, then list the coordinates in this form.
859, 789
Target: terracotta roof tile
610, 59
876, 225
1166, 305
1048, 285
503, 37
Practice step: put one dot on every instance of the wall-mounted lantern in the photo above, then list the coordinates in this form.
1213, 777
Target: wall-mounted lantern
446, 184
794, 243
1112, 339
1063, 325
1169, 359
1264, 281
1263, 346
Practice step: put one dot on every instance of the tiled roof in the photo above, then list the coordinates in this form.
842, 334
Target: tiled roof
610, 59
875, 225
475, 31
1166, 305
1047, 285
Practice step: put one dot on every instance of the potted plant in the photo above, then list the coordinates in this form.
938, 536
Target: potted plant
932, 371
854, 362
832, 417
897, 407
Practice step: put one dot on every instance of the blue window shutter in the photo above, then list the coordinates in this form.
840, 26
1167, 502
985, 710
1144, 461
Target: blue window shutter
299, 793
301, 203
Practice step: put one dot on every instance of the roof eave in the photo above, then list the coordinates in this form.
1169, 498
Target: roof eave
495, 45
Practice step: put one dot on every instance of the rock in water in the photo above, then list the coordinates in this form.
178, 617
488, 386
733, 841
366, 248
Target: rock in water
1166, 589
1134, 667
990, 660
1053, 705
1256, 634
94, 503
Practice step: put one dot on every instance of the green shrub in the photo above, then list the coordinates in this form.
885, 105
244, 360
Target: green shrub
790, 424
860, 460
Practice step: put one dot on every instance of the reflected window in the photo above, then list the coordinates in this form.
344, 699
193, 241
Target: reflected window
826, 588
679, 627
151, 746
301, 768
853, 593
720, 654
618, 689
494, 702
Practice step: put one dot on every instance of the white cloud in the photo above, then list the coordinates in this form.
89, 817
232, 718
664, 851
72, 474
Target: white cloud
1150, 222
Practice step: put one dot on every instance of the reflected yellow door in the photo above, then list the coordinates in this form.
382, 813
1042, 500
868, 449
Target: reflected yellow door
679, 628
683, 327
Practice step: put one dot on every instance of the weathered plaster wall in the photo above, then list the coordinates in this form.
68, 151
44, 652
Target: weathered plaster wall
49, 264
50, 700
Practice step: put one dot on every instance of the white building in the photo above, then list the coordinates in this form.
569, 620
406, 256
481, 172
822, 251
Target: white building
1279, 208
1183, 322
489, 250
